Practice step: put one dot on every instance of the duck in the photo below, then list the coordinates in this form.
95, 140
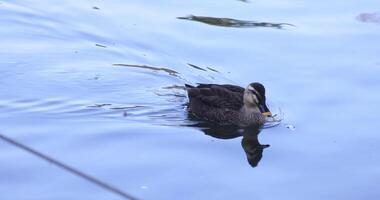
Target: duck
225, 104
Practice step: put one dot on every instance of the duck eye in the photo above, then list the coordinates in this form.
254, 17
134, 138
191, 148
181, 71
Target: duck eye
255, 93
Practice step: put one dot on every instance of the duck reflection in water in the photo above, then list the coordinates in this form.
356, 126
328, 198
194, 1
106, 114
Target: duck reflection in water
250, 143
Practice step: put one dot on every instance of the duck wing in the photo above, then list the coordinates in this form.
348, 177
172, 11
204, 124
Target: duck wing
217, 96
232, 88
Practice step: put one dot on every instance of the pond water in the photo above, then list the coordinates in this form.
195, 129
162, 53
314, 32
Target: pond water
98, 85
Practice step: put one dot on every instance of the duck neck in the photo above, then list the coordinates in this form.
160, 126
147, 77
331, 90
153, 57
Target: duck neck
249, 109
251, 115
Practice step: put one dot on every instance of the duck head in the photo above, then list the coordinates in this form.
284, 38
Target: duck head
254, 97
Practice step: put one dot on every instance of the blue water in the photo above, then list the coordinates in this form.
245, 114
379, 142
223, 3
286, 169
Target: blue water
62, 94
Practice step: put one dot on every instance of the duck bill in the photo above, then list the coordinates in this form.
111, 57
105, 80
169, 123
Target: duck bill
265, 110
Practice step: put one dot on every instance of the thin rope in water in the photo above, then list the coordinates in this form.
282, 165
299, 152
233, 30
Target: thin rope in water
68, 168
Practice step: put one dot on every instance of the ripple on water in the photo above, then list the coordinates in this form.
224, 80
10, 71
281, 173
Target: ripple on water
163, 104
53, 106
67, 109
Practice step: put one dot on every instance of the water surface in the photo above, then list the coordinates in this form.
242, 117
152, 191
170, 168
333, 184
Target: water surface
99, 85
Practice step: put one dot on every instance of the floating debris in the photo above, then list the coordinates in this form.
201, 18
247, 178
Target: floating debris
369, 17
169, 71
99, 45
290, 127
228, 22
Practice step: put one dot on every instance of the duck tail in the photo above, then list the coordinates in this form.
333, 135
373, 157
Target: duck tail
189, 86
191, 91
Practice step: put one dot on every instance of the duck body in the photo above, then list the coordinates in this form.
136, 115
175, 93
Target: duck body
228, 104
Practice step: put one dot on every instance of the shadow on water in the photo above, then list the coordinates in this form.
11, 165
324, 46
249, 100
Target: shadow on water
235, 23
250, 143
